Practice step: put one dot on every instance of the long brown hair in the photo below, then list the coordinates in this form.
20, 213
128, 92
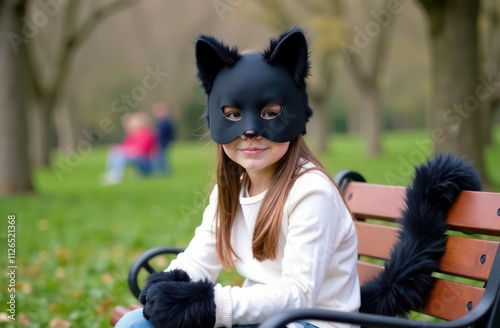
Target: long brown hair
230, 178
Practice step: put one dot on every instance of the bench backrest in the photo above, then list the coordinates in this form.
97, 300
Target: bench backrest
474, 228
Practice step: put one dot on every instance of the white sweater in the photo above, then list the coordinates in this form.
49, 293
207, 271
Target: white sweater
316, 264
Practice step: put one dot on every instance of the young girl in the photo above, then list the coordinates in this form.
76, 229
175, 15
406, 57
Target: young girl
275, 215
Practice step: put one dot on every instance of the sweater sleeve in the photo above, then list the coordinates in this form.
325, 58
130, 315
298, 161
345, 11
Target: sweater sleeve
200, 259
315, 229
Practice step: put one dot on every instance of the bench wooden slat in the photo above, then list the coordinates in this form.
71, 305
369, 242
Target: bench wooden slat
476, 212
463, 256
375, 240
386, 203
448, 299
367, 271
467, 257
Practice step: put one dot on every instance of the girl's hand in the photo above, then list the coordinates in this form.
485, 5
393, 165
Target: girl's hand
172, 300
174, 275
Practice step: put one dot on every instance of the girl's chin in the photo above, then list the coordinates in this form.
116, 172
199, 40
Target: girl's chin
256, 166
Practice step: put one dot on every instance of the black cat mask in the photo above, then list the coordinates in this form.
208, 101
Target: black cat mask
248, 82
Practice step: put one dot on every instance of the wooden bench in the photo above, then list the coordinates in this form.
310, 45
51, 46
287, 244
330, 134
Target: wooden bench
466, 291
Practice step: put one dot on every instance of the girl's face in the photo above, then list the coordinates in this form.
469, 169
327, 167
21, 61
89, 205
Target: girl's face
256, 154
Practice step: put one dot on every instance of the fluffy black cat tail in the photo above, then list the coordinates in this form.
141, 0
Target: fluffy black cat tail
406, 279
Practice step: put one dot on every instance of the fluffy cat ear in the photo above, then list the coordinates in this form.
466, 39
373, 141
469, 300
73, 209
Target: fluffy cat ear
290, 50
211, 56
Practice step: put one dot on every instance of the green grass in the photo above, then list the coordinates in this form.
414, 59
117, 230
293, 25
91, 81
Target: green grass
76, 239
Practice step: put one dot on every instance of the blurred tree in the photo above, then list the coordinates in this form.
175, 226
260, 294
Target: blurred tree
322, 17
276, 14
491, 67
457, 84
367, 73
15, 173
48, 84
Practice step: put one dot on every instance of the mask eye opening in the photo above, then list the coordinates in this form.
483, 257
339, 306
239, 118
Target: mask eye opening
272, 111
231, 113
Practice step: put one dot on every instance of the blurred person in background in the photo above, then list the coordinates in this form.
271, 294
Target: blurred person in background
166, 135
139, 148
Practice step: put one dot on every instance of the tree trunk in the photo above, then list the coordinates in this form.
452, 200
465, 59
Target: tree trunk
319, 88
47, 97
353, 114
455, 108
488, 119
40, 127
68, 127
317, 129
369, 113
491, 106
491, 58
371, 118
15, 173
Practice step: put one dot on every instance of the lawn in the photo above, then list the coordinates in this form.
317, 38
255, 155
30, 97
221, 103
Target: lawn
76, 239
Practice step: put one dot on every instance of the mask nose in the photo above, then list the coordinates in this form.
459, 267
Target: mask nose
250, 134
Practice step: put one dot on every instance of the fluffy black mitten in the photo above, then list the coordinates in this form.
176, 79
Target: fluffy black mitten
174, 275
179, 304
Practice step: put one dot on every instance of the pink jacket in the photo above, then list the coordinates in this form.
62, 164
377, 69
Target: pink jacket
140, 143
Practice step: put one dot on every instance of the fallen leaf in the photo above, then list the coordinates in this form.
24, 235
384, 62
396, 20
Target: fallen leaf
76, 293
60, 273
25, 287
42, 225
4, 317
24, 319
107, 278
105, 306
53, 307
62, 254
59, 323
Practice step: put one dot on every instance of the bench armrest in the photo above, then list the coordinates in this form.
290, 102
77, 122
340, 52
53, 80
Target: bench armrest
143, 262
343, 177
363, 319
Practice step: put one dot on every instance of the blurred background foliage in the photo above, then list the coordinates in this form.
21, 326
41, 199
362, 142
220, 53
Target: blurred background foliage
386, 76
376, 66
